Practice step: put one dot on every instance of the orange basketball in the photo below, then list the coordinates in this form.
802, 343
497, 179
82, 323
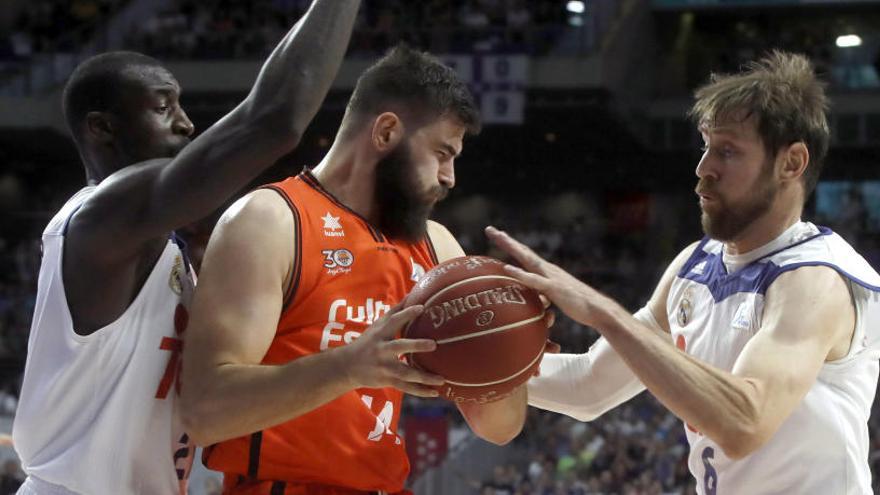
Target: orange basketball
488, 327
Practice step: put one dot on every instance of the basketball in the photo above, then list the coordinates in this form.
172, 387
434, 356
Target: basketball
488, 328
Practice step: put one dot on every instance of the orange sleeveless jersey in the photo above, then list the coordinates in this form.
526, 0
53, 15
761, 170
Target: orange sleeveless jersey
347, 275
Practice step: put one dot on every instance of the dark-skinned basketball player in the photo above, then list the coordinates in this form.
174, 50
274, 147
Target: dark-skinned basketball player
292, 376
97, 410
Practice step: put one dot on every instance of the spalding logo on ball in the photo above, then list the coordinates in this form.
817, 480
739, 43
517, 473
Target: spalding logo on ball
488, 328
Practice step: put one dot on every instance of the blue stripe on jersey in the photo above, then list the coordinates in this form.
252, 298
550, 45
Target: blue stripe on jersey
753, 278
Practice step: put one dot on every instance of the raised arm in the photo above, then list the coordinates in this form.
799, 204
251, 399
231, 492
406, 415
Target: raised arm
143, 202
234, 319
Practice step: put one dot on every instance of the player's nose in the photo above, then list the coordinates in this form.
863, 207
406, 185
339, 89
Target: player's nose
182, 124
447, 174
705, 167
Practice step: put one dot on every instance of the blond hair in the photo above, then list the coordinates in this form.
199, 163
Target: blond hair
782, 91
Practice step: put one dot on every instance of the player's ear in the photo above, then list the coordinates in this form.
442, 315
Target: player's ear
387, 131
795, 160
98, 127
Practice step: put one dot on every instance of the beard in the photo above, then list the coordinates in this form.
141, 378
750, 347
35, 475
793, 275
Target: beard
728, 221
404, 206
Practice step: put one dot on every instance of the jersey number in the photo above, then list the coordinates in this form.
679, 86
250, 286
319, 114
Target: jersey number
175, 345
710, 477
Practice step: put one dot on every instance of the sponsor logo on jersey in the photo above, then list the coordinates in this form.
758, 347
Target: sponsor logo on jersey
685, 308
342, 313
337, 261
332, 226
742, 319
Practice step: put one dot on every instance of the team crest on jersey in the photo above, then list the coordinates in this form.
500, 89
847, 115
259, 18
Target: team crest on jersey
175, 280
337, 261
685, 308
332, 226
418, 271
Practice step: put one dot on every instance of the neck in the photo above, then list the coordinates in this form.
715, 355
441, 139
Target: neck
350, 176
98, 167
763, 230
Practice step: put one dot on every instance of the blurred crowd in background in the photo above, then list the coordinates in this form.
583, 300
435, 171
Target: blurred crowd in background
639, 448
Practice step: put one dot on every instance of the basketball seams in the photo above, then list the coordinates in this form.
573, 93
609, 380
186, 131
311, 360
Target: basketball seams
490, 331
502, 380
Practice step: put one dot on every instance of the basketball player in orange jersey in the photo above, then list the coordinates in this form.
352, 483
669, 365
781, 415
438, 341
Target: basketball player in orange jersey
291, 372
97, 408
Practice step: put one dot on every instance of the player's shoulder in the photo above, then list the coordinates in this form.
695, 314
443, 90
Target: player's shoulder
683, 256
445, 244
261, 207
438, 231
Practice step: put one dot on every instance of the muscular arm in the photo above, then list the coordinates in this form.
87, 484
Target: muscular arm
808, 319
147, 201
234, 318
585, 386
497, 422
808, 312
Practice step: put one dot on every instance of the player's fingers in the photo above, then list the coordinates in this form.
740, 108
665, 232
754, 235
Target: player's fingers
549, 318
522, 253
413, 375
391, 323
417, 390
552, 347
405, 346
544, 301
533, 280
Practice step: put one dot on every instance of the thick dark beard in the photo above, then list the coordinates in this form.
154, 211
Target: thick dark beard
403, 208
727, 223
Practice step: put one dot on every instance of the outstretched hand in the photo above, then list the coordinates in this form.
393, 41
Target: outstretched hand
375, 359
573, 297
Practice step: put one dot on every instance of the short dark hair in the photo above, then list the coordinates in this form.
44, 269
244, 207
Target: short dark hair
782, 91
96, 83
418, 82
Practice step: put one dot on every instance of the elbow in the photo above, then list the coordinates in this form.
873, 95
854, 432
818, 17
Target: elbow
198, 421
498, 436
585, 416
739, 443
500, 430
277, 127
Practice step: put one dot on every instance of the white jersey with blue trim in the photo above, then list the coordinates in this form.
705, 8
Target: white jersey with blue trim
97, 412
715, 306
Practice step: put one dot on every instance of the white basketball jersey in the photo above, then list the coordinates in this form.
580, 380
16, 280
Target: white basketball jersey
715, 306
97, 412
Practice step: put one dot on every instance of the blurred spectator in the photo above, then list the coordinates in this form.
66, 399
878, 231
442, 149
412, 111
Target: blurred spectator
11, 478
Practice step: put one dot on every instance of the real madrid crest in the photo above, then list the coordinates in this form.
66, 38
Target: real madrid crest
685, 308
176, 273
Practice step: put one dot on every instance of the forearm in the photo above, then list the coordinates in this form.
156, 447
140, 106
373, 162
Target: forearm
498, 422
295, 78
580, 386
718, 404
212, 409
585, 386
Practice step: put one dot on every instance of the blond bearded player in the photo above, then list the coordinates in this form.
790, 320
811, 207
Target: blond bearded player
764, 336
